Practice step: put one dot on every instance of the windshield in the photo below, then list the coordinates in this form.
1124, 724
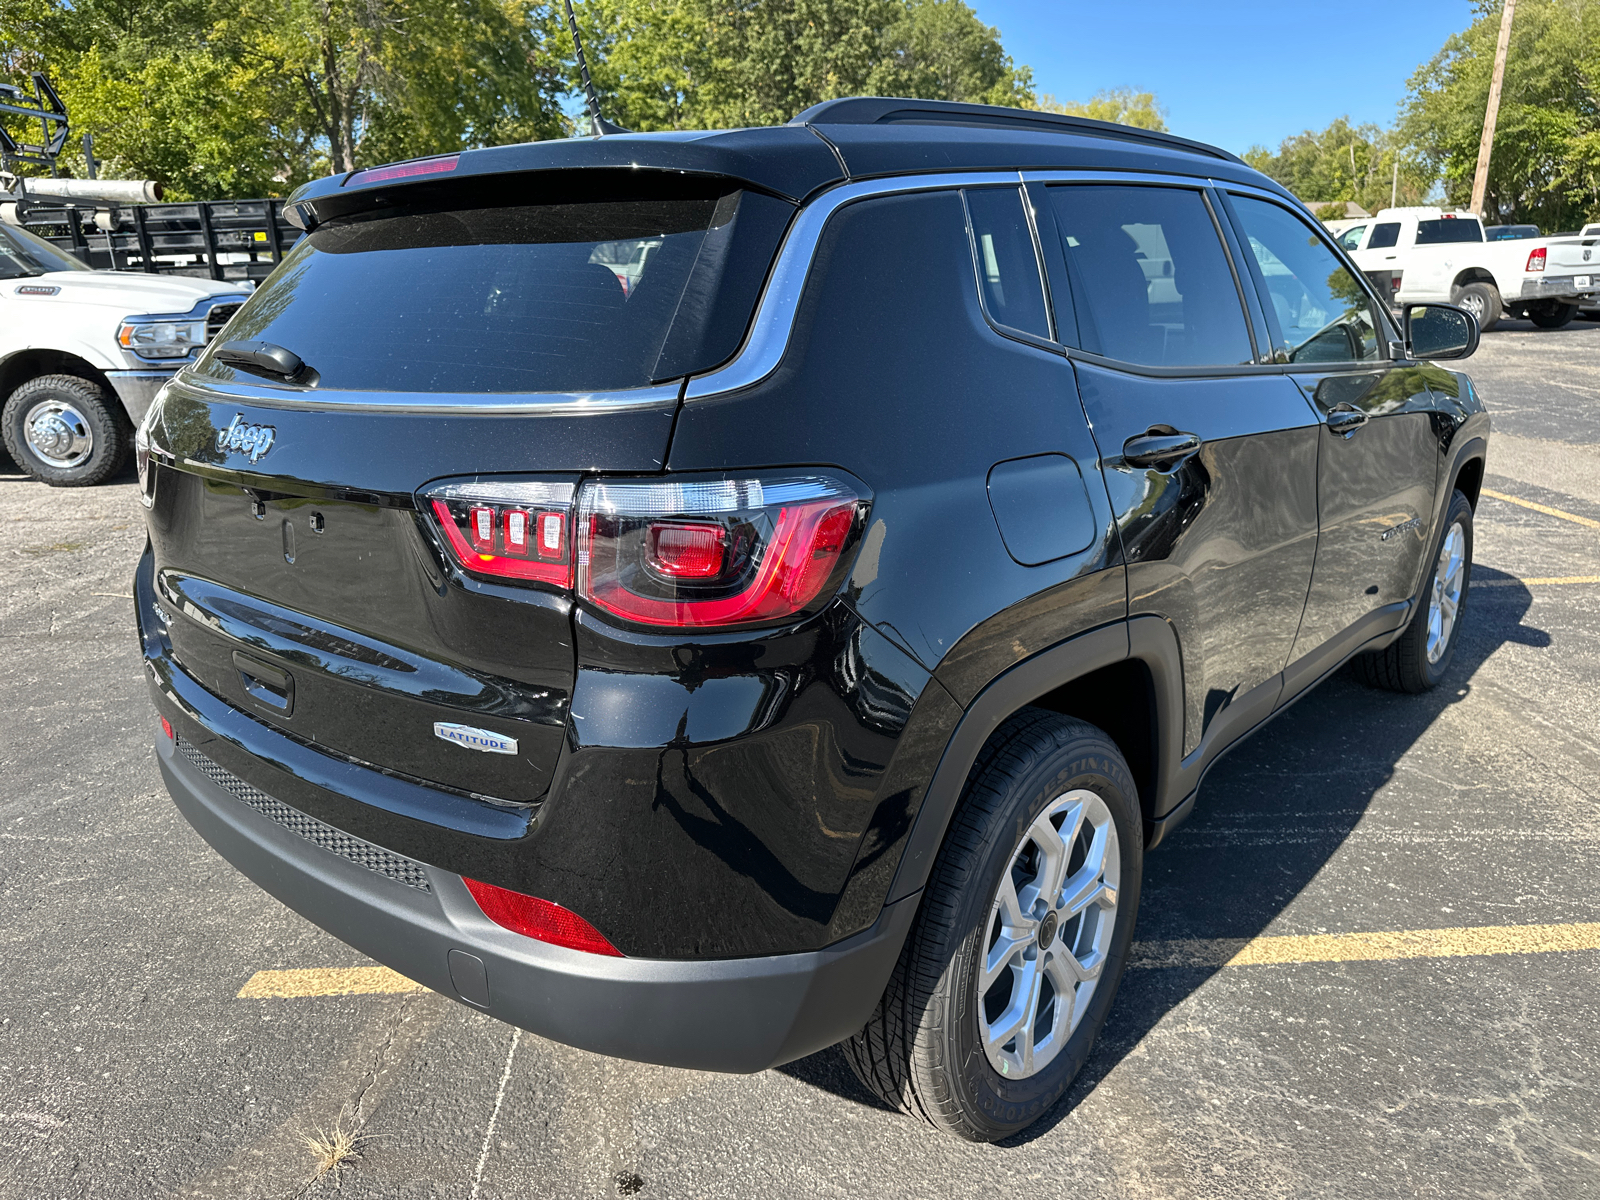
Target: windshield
23, 254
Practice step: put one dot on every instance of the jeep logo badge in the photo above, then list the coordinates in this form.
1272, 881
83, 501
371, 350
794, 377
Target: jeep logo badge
474, 739
250, 440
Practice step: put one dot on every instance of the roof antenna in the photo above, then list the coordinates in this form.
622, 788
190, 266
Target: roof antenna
599, 124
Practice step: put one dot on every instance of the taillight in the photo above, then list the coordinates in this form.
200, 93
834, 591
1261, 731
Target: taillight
511, 529
1536, 260
539, 919
715, 552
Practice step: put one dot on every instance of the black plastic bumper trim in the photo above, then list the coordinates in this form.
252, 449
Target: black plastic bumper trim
736, 1015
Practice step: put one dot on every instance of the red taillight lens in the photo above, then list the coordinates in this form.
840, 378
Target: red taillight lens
1536, 260
714, 552
685, 551
512, 529
409, 170
166, 730
539, 919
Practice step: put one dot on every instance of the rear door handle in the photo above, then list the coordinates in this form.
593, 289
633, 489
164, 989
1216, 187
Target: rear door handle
1345, 420
1159, 449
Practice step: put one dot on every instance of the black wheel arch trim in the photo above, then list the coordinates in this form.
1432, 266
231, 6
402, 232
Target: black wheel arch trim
1149, 639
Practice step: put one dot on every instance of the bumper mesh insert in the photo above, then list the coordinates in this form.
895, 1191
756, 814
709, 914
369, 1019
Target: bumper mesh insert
364, 854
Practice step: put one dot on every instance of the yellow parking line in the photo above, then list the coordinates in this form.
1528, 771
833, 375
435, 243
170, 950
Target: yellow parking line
1478, 583
325, 981
1187, 952
1544, 508
1367, 947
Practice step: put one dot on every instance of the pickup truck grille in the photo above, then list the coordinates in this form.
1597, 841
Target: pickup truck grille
218, 317
364, 854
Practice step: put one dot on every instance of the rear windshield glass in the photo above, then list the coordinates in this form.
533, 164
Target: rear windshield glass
1447, 229
547, 298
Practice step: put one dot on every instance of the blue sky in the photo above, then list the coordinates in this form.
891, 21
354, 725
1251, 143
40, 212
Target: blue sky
1236, 73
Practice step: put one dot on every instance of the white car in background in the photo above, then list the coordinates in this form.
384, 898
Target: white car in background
83, 353
1590, 309
1416, 255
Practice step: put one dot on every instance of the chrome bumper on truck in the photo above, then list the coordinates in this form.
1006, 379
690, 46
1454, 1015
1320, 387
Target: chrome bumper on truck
737, 1015
1574, 289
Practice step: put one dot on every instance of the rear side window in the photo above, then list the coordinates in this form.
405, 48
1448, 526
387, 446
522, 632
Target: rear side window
1446, 230
1318, 311
1149, 276
1384, 235
1008, 268
524, 298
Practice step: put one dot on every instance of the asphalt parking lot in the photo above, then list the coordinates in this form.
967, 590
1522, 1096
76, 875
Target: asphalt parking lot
1265, 1045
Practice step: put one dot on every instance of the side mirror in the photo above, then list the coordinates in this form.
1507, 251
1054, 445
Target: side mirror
1435, 331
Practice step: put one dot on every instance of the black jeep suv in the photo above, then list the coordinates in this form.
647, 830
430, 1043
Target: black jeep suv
703, 597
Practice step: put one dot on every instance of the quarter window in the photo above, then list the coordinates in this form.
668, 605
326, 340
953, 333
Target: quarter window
1319, 310
1149, 275
1008, 268
1384, 235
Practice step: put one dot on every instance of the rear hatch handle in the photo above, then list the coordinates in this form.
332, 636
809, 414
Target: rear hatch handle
269, 686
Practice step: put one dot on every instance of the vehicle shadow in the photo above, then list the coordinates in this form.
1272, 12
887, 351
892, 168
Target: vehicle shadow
1277, 807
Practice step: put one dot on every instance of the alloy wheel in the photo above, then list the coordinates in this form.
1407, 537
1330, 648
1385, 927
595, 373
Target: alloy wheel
1444, 604
1049, 928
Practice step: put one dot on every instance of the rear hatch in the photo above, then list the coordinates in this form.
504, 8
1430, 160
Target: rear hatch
370, 552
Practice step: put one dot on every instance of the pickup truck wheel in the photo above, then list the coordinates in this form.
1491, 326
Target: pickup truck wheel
1011, 967
64, 431
1482, 300
1419, 659
1552, 314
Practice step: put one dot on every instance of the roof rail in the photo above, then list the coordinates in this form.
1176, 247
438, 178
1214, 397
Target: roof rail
888, 110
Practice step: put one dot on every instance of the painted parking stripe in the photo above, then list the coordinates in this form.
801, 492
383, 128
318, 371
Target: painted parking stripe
1478, 583
325, 981
1188, 952
1368, 947
1543, 508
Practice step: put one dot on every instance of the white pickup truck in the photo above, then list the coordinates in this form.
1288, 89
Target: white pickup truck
1423, 254
83, 352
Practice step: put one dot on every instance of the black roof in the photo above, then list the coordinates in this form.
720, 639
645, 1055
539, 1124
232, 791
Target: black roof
840, 140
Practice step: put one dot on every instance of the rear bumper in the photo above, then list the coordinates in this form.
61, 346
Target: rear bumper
736, 1015
1562, 287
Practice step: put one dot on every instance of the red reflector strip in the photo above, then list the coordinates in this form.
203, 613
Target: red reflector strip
539, 919
166, 730
410, 170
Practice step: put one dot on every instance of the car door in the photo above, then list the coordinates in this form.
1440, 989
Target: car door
1379, 454
1209, 456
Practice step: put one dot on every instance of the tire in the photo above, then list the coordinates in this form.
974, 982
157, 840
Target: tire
1412, 664
1482, 300
923, 1051
65, 431
1552, 314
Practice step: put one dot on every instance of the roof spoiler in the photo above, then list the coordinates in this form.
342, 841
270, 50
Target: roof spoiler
889, 110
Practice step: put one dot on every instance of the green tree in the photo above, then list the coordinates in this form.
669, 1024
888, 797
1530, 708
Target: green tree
1545, 168
1346, 162
717, 64
1121, 106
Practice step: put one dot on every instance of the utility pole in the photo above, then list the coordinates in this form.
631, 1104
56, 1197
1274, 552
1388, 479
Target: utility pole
1480, 179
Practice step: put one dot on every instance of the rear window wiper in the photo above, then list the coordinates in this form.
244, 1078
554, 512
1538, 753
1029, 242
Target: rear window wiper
268, 359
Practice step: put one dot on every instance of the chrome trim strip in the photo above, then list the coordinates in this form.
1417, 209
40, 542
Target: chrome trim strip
768, 338
769, 333
266, 395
